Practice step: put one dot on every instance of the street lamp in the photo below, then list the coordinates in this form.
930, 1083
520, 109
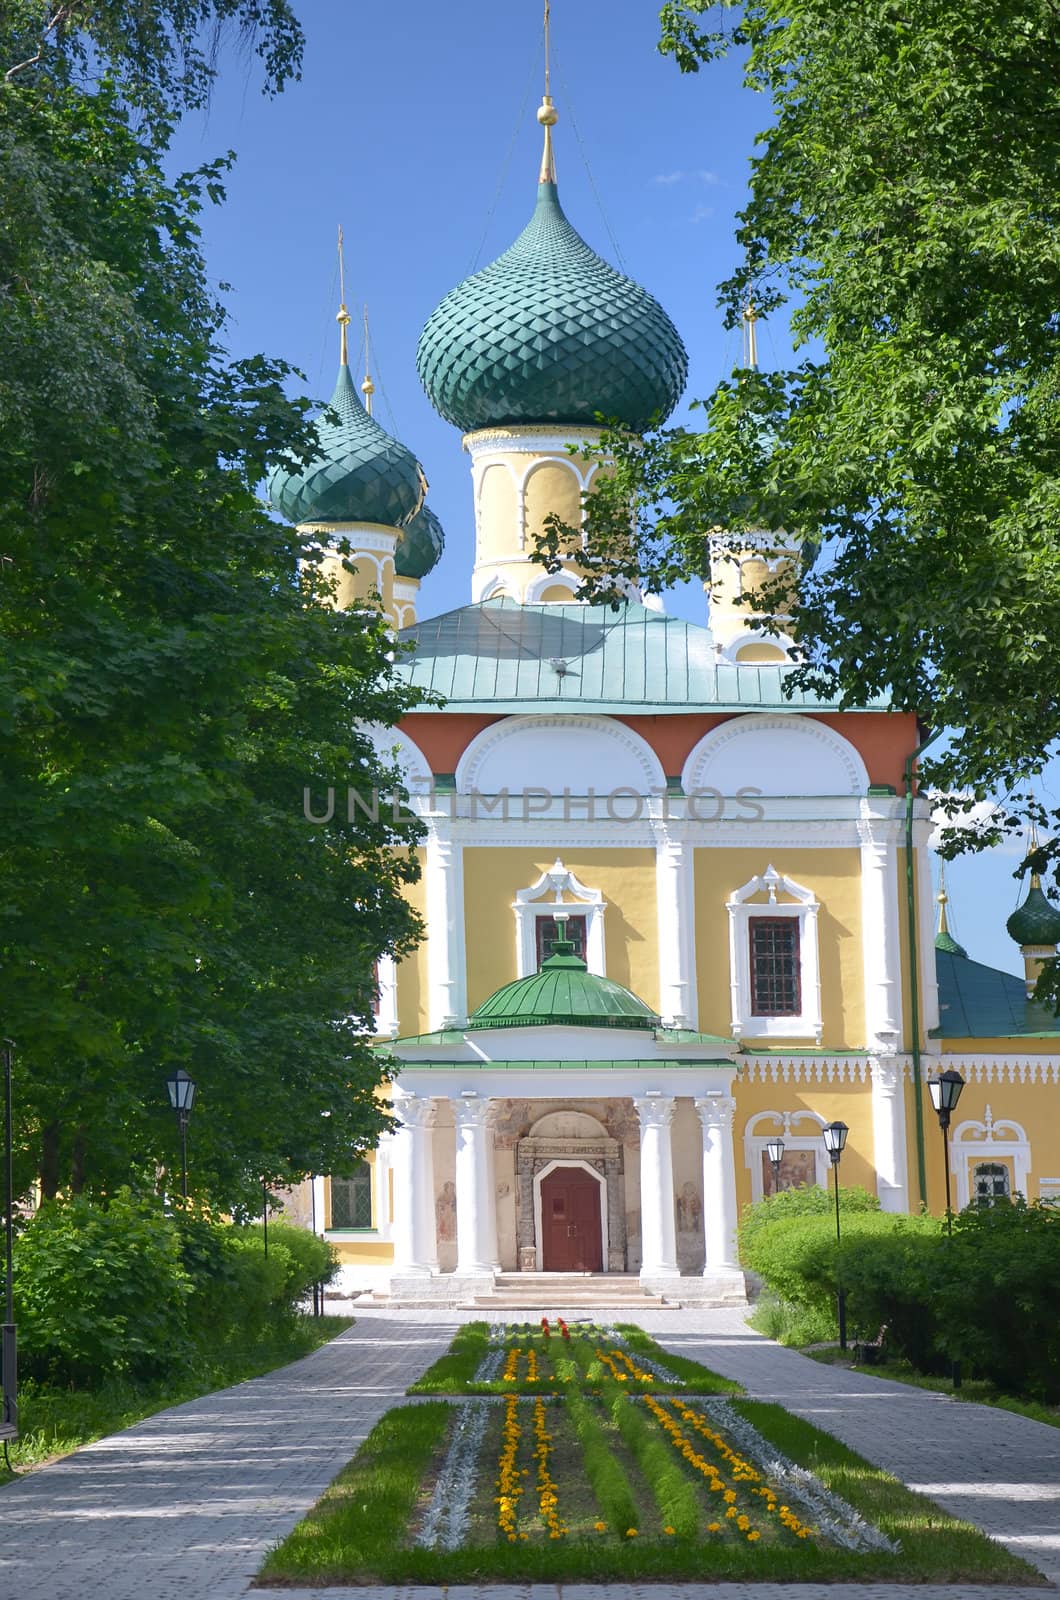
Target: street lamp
835, 1137
8, 1348
182, 1098
775, 1152
945, 1091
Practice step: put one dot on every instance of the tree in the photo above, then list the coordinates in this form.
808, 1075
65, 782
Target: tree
172, 674
903, 210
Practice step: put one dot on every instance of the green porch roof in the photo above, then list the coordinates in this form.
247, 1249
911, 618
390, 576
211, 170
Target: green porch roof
543, 1065
501, 656
978, 1002
564, 993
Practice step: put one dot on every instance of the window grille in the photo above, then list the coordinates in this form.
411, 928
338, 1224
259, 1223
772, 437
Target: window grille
775, 980
991, 1182
548, 933
351, 1198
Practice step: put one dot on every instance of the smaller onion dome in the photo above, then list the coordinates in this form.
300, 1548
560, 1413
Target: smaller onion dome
1036, 921
565, 994
944, 939
360, 475
420, 547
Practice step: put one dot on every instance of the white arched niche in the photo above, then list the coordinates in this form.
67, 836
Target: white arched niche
558, 755
775, 755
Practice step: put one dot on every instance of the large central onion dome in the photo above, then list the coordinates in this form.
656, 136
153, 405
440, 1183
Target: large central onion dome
361, 474
550, 333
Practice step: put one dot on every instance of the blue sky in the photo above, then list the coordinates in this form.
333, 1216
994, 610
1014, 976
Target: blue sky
414, 127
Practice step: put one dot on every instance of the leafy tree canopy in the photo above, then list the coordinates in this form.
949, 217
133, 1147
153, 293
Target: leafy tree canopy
172, 674
903, 214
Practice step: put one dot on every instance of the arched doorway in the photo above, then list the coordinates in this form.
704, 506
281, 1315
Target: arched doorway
571, 1232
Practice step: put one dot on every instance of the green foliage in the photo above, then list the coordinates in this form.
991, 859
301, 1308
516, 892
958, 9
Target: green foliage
792, 1324
604, 1471
673, 1491
902, 216
99, 1292
808, 1200
124, 1291
173, 675
454, 1372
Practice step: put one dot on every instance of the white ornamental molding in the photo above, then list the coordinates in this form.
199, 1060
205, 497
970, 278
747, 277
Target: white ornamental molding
778, 755
531, 903
802, 906
974, 1142
809, 1069
800, 1130
556, 753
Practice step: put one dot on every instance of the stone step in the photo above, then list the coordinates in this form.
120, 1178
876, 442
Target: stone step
602, 1302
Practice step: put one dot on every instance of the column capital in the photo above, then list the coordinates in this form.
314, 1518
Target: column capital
471, 1110
415, 1111
654, 1111
715, 1110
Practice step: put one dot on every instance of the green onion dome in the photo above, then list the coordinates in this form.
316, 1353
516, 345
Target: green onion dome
563, 994
420, 547
1036, 921
360, 475
550, 333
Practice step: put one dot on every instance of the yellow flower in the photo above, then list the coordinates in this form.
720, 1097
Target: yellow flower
601, 1527
713, 1527
669, 1530
751, 1537
631, 1533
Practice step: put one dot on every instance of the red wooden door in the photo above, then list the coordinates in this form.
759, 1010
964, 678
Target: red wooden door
570, 1222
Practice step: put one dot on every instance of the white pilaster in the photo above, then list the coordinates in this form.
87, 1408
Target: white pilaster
880, 942
889, 1133
715, 1114
386, 1013
657, 1228
412, 1162
476, 1242
677, 951
925, 899
444, 882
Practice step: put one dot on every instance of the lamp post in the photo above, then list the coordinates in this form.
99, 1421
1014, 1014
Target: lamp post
945, 1091
182, 1098
8, 1349
775, 1152
835, 1137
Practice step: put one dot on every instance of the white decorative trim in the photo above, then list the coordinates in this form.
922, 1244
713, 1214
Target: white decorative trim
696, 772
808, 1069
1005, 1069
394, 746
809, 1022
528, 907
536, 588
483, 587
569, 1161
386, 1008
783, 1123
972, 1142
730, 650
471, 762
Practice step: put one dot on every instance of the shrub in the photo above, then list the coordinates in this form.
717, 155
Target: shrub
891, 1282
100, 1291
809, 1200
309, 1259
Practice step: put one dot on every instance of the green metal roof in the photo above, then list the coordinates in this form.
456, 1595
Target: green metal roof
360, 475
945, 942
501, 656
420, 547
550, 333
540, 1064
1036, 921
978, 1002
564, 993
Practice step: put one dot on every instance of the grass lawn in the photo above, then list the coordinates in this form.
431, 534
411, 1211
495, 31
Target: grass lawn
606, 1481
54, 1421
979, 1390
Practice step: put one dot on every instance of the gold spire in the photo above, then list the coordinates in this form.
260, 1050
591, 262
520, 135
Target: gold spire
943, 900
546, 111
1036, 881
750, 320
342, 316
367, 386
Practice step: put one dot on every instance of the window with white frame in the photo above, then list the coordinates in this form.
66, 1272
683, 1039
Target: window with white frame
351, 1198
535, 908
991, 1182
774, 961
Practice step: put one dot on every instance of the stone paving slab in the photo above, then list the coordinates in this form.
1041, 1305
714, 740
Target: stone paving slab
184, 1505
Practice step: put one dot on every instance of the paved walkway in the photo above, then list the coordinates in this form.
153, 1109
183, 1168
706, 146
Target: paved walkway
183, 1506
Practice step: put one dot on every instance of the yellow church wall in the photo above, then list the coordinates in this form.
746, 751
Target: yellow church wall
412, 971
552, 488
835, 878
844, 1102
1030, 1105
625, 878
498, 522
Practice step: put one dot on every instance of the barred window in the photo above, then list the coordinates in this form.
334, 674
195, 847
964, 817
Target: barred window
992, 1183
548, 933
775, 983
351, 1198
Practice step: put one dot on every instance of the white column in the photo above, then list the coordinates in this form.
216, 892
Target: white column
879, 941
719, 1183
677, 941
658, 1233
889, 1133
412, 1162
444, 881
476, 1222
925, 898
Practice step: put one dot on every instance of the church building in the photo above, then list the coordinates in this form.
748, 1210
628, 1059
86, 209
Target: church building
677, 922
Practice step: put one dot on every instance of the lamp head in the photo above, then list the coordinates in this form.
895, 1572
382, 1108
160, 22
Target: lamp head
945, 1091
775, 1151
181, 1091
835, 1137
